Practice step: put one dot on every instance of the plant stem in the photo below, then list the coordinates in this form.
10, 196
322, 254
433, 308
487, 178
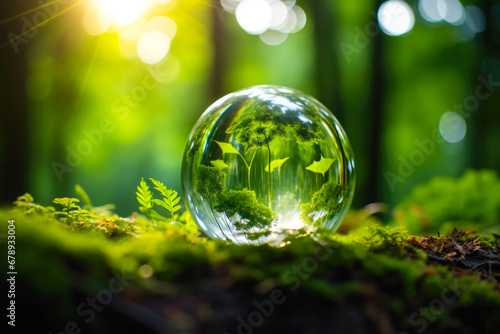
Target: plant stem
250, 167
269, 175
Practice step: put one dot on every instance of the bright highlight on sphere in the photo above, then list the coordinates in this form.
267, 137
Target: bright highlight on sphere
153, 46
395, 17
121, 12
452, 127
254, 16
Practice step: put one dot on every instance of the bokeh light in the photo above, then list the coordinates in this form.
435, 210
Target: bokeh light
475, 19
395, 17
429, 10
162, 24
229, 5
290, 23
273, 37
301, 19
452, 127
166, 70
279, 14
273, 20
451, 11
95, 24
122, 12
254, 16
153, 46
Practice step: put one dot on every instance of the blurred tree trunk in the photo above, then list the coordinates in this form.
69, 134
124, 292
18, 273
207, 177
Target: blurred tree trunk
374, 120
327, 74
483, 132
14, 134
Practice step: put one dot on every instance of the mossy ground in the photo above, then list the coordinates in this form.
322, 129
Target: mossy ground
370, 280
91, 270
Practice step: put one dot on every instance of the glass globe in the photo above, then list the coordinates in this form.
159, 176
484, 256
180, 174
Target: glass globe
265, 162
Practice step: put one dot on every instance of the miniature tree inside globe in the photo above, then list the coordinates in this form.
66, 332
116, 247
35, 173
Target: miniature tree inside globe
265, 162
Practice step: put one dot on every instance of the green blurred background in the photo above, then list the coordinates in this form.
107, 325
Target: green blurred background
80, 102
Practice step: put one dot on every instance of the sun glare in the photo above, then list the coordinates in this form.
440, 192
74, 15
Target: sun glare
122, 12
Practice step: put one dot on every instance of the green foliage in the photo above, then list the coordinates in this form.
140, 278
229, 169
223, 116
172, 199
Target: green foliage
244, 204
219, 164
75, 218
350, 272
170, 198
276, 163
99, 220
325, 204
27, 204
79, 190
261, 124
227, 148
210, 181
170, 203
144, 195
380, 238
469, 202
321, 166
71, 212
145, 199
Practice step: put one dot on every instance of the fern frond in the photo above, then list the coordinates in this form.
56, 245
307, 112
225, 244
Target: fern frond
170, 197
144, 195
83, 194
160, 187
171, 201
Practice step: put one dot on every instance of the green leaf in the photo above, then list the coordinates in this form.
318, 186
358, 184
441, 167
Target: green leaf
219, 164
144, 195
276, 163
161, 203
321, 166
160, 187
79, 190
227, 147
170, 198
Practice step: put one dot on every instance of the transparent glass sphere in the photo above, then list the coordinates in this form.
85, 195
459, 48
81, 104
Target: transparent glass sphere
265, 162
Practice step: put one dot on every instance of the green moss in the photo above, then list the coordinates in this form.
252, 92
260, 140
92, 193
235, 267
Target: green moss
370, 268
324, 206
471, 202
243, 203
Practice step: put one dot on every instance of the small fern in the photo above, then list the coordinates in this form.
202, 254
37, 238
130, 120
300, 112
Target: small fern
71, 212
145, 199
27, 203
170, 201
170, 198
